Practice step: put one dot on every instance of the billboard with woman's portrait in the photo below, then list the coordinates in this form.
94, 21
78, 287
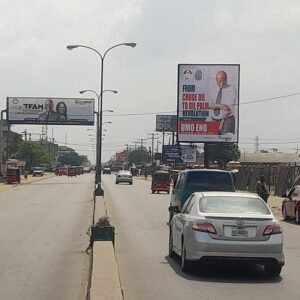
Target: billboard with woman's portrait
52, 111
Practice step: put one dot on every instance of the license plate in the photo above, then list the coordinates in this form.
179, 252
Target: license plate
238, 232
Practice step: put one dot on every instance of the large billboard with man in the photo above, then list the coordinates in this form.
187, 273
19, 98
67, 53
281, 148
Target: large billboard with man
52, 111
208, 103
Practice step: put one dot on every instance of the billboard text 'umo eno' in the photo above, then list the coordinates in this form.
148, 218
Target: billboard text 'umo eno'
54, 111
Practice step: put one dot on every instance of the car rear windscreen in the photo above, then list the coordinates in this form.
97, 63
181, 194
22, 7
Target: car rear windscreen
230, 204
210, 181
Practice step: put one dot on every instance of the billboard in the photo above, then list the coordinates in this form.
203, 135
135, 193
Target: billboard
208, 103
178, 154
166, 123
52, 111
121, 157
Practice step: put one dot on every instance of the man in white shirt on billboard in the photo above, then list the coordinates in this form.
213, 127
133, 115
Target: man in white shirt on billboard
226, 101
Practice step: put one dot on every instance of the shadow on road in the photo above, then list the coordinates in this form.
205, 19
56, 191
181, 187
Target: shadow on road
231, 272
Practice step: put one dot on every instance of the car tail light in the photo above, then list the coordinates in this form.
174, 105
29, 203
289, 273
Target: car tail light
204, 227
273, 229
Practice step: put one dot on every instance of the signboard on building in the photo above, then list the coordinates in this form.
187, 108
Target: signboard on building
208, 103
178, 154
166, 123
52, 111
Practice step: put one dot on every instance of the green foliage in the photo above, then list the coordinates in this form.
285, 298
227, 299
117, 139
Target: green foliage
223, 153
33, 153
72, 159
139, 157
103, 222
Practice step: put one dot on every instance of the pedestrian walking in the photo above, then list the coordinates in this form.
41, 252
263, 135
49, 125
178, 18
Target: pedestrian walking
262, 189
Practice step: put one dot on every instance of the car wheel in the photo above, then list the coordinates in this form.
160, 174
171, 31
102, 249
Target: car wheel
274, 269
171, 252
185, 264
152, 192
130, 183
297, 216
285, 217
168, 192
117, 182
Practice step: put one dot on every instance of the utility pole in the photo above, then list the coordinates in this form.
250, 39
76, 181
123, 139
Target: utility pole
1, 135
152, 149
256, 144
142, 140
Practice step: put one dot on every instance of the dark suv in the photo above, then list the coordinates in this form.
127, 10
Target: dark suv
203, 180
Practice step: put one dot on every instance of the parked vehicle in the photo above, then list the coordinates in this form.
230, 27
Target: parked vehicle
124, 176
79, 170
160, 182
13, 175
106, 171
38, 171
291, 205
226, 226
190, 181
71, 171
63, 171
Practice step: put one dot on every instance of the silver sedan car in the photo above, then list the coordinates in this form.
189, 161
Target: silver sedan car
124, 176
229, 226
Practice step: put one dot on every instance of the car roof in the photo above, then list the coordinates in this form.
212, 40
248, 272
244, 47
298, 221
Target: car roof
228, 194
203, 170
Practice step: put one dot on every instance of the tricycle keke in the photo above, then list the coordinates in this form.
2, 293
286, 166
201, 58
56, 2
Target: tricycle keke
13, 175
160, 182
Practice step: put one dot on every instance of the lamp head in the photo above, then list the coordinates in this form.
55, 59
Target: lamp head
132, 45
71, 47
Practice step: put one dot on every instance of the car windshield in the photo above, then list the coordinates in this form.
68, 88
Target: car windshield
210, 181
125, 173
161, 177
233, 204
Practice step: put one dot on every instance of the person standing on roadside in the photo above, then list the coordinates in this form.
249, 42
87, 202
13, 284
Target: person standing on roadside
262, 189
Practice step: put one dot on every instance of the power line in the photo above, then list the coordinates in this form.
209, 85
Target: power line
175, 111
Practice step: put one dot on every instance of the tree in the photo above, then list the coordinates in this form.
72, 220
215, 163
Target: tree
33, 153
139, 157
71, 158
223, 153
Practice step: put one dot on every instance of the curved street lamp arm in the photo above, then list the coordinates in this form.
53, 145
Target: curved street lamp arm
122, 44
88, 47
82, 92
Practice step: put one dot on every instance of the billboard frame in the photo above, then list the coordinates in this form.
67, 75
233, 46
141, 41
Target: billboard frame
41, 122
203, 140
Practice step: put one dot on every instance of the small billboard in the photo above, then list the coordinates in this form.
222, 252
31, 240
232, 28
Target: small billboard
52, 111
178, 154
122, 157
166, 123
208, 103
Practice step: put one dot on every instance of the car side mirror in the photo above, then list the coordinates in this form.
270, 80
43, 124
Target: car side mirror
174, 209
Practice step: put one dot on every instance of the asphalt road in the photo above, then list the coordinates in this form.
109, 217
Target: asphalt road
146, 271
43, 240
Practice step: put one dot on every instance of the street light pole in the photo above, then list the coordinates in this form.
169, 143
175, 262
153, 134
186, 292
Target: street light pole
98, 164
99, 191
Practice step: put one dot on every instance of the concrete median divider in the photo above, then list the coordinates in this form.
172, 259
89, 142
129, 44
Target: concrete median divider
105, 280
